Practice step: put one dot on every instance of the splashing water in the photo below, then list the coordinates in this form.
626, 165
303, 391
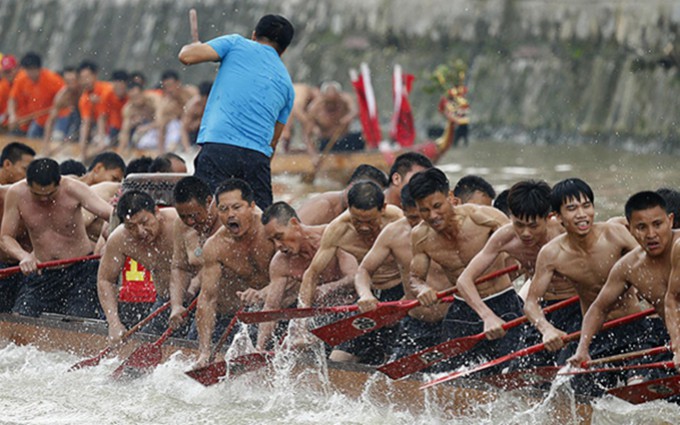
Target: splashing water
35, 389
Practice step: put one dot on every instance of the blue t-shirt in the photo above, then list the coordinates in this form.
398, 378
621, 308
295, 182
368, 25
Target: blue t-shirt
251, 92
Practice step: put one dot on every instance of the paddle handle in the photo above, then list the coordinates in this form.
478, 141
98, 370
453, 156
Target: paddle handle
520, 320
168, 332
55, 263
536, 348
144, 321
193, 24
481, 279
225, 336
657, 365
626, 356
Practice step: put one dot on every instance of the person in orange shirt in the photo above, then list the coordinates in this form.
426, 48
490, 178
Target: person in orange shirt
90, 105
8, 71
32, 95
63, 120
113, 103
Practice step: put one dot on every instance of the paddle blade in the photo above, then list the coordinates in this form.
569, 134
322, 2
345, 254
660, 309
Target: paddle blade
91, 362
214, 372
360, 324
144, 359
648, 391
523, 378
425, 358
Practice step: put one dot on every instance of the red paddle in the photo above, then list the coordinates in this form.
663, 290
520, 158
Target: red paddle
147, 356
649, 390
543, 374
298, 313
352, 327
429, 356
656, 365
534, 349
55, 263
94, 361
213, 373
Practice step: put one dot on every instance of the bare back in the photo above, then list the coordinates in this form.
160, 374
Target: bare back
322, 208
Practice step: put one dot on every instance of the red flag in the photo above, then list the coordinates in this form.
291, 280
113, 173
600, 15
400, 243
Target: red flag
368, 111
403, 130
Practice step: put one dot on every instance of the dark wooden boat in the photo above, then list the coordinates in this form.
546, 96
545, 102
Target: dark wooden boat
86, 337
338, 165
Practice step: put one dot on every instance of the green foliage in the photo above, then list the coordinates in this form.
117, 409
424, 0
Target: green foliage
445, 76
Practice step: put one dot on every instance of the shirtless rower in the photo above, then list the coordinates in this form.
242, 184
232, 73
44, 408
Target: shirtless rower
304, 96
50, 206
325, 207
296, 244
332, 112
422, 327
146, 237
451, 235
14, 160
170, 110
473, 189
196, 223
646, 268
236, 258
672, 304
139, 114
354, 231
404, 167
584, 255
105, 167
529, 230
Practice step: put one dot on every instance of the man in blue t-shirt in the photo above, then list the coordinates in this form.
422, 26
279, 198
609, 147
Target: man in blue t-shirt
248, 105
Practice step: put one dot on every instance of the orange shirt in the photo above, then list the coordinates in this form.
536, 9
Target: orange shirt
4, 95
32, 96
113, 108
90, 104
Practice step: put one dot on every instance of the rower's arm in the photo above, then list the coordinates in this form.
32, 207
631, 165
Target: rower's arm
274, 299
615, 286
363, 281
91, 201
543, 275
110, 268
11, 220
327, 292
672, 304
180, 275
321, 260
211, 274
420, 265
198, 52
478, 265
278, 129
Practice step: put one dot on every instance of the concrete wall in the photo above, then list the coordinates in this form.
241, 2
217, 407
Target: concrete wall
549, 70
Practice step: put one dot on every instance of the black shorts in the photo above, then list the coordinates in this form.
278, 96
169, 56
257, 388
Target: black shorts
626, 338
9, 289
461, 320
70, 290
374, 347
217, 162
159, 324
567, 319
415, 335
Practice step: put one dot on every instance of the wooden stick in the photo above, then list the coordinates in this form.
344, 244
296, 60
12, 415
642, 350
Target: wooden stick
193, 23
